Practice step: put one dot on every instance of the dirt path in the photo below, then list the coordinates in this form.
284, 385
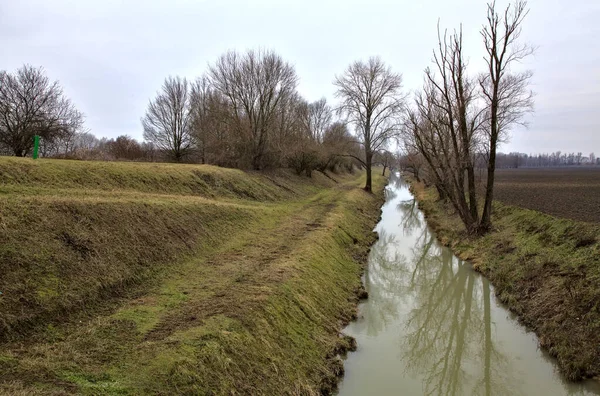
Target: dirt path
245, 271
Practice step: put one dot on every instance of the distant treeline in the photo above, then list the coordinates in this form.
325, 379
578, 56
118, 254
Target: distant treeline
416, 164
518, 160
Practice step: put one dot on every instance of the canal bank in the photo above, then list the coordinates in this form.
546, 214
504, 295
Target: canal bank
177, 279
432, 325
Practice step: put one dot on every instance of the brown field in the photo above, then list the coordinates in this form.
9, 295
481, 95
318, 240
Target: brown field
572, 193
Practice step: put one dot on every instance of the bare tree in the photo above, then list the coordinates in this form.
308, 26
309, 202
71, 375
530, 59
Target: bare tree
316, 118
337, 139
370, 95
448, 128
444, 128
384, 158
506, 92
201, 116
86, 141
255, 83
32, 105
412, 162
125, 148
209, 111
167, 120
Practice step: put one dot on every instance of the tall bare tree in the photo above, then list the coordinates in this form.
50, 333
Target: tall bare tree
255, 83
386, 159
167, 120
370, 95
505, 91
201, 115
32, 105
444, 128
456, 115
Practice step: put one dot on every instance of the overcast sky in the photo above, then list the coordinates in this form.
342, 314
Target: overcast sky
111, 56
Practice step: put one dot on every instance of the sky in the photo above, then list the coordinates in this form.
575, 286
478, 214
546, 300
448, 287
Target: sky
111, 56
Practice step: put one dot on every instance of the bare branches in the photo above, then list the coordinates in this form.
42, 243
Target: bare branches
32, 105
444, 127
318, 119
255, 83
247, 113
506, 92
167, 120
370, 95
457, 117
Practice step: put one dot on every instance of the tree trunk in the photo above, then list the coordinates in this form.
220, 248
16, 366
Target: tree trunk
486, 222
486, 217
472, 191
368, 185
441, 193
383, 173
256, 162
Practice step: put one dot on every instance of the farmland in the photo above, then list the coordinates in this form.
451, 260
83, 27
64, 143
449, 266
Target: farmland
572, 193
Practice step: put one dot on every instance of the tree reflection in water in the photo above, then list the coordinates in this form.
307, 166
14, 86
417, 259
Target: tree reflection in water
448, 332
429, 325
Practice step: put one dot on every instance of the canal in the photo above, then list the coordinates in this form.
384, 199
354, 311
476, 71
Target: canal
432, 325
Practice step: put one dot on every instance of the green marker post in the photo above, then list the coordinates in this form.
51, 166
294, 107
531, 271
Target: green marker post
36, 146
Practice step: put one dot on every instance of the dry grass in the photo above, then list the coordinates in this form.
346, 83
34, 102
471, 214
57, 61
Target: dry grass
47, 176
546, 269
147, 292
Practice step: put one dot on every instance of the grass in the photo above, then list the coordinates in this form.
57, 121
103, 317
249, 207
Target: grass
231, 290
46, 176
545, 269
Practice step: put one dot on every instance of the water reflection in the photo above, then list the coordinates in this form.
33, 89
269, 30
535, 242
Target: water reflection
431, 324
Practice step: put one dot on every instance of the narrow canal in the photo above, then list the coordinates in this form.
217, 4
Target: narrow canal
432, 325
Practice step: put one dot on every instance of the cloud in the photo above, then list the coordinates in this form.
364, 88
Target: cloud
112, 56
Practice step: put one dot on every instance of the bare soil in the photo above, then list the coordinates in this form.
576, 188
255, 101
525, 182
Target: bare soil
572, 193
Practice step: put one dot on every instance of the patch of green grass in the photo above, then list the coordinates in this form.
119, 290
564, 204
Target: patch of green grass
546, 269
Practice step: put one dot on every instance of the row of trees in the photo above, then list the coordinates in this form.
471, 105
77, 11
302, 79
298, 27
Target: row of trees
517, 160
246, 112
458, 115
415, 163
86, 146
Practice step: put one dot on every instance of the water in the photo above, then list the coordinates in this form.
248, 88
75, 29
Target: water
432, 325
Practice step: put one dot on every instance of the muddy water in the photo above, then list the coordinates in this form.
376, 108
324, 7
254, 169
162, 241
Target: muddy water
432, 325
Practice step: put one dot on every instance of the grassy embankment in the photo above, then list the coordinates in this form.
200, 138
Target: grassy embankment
545, 269
126, 278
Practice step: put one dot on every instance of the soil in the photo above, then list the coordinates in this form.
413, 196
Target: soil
572, 193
